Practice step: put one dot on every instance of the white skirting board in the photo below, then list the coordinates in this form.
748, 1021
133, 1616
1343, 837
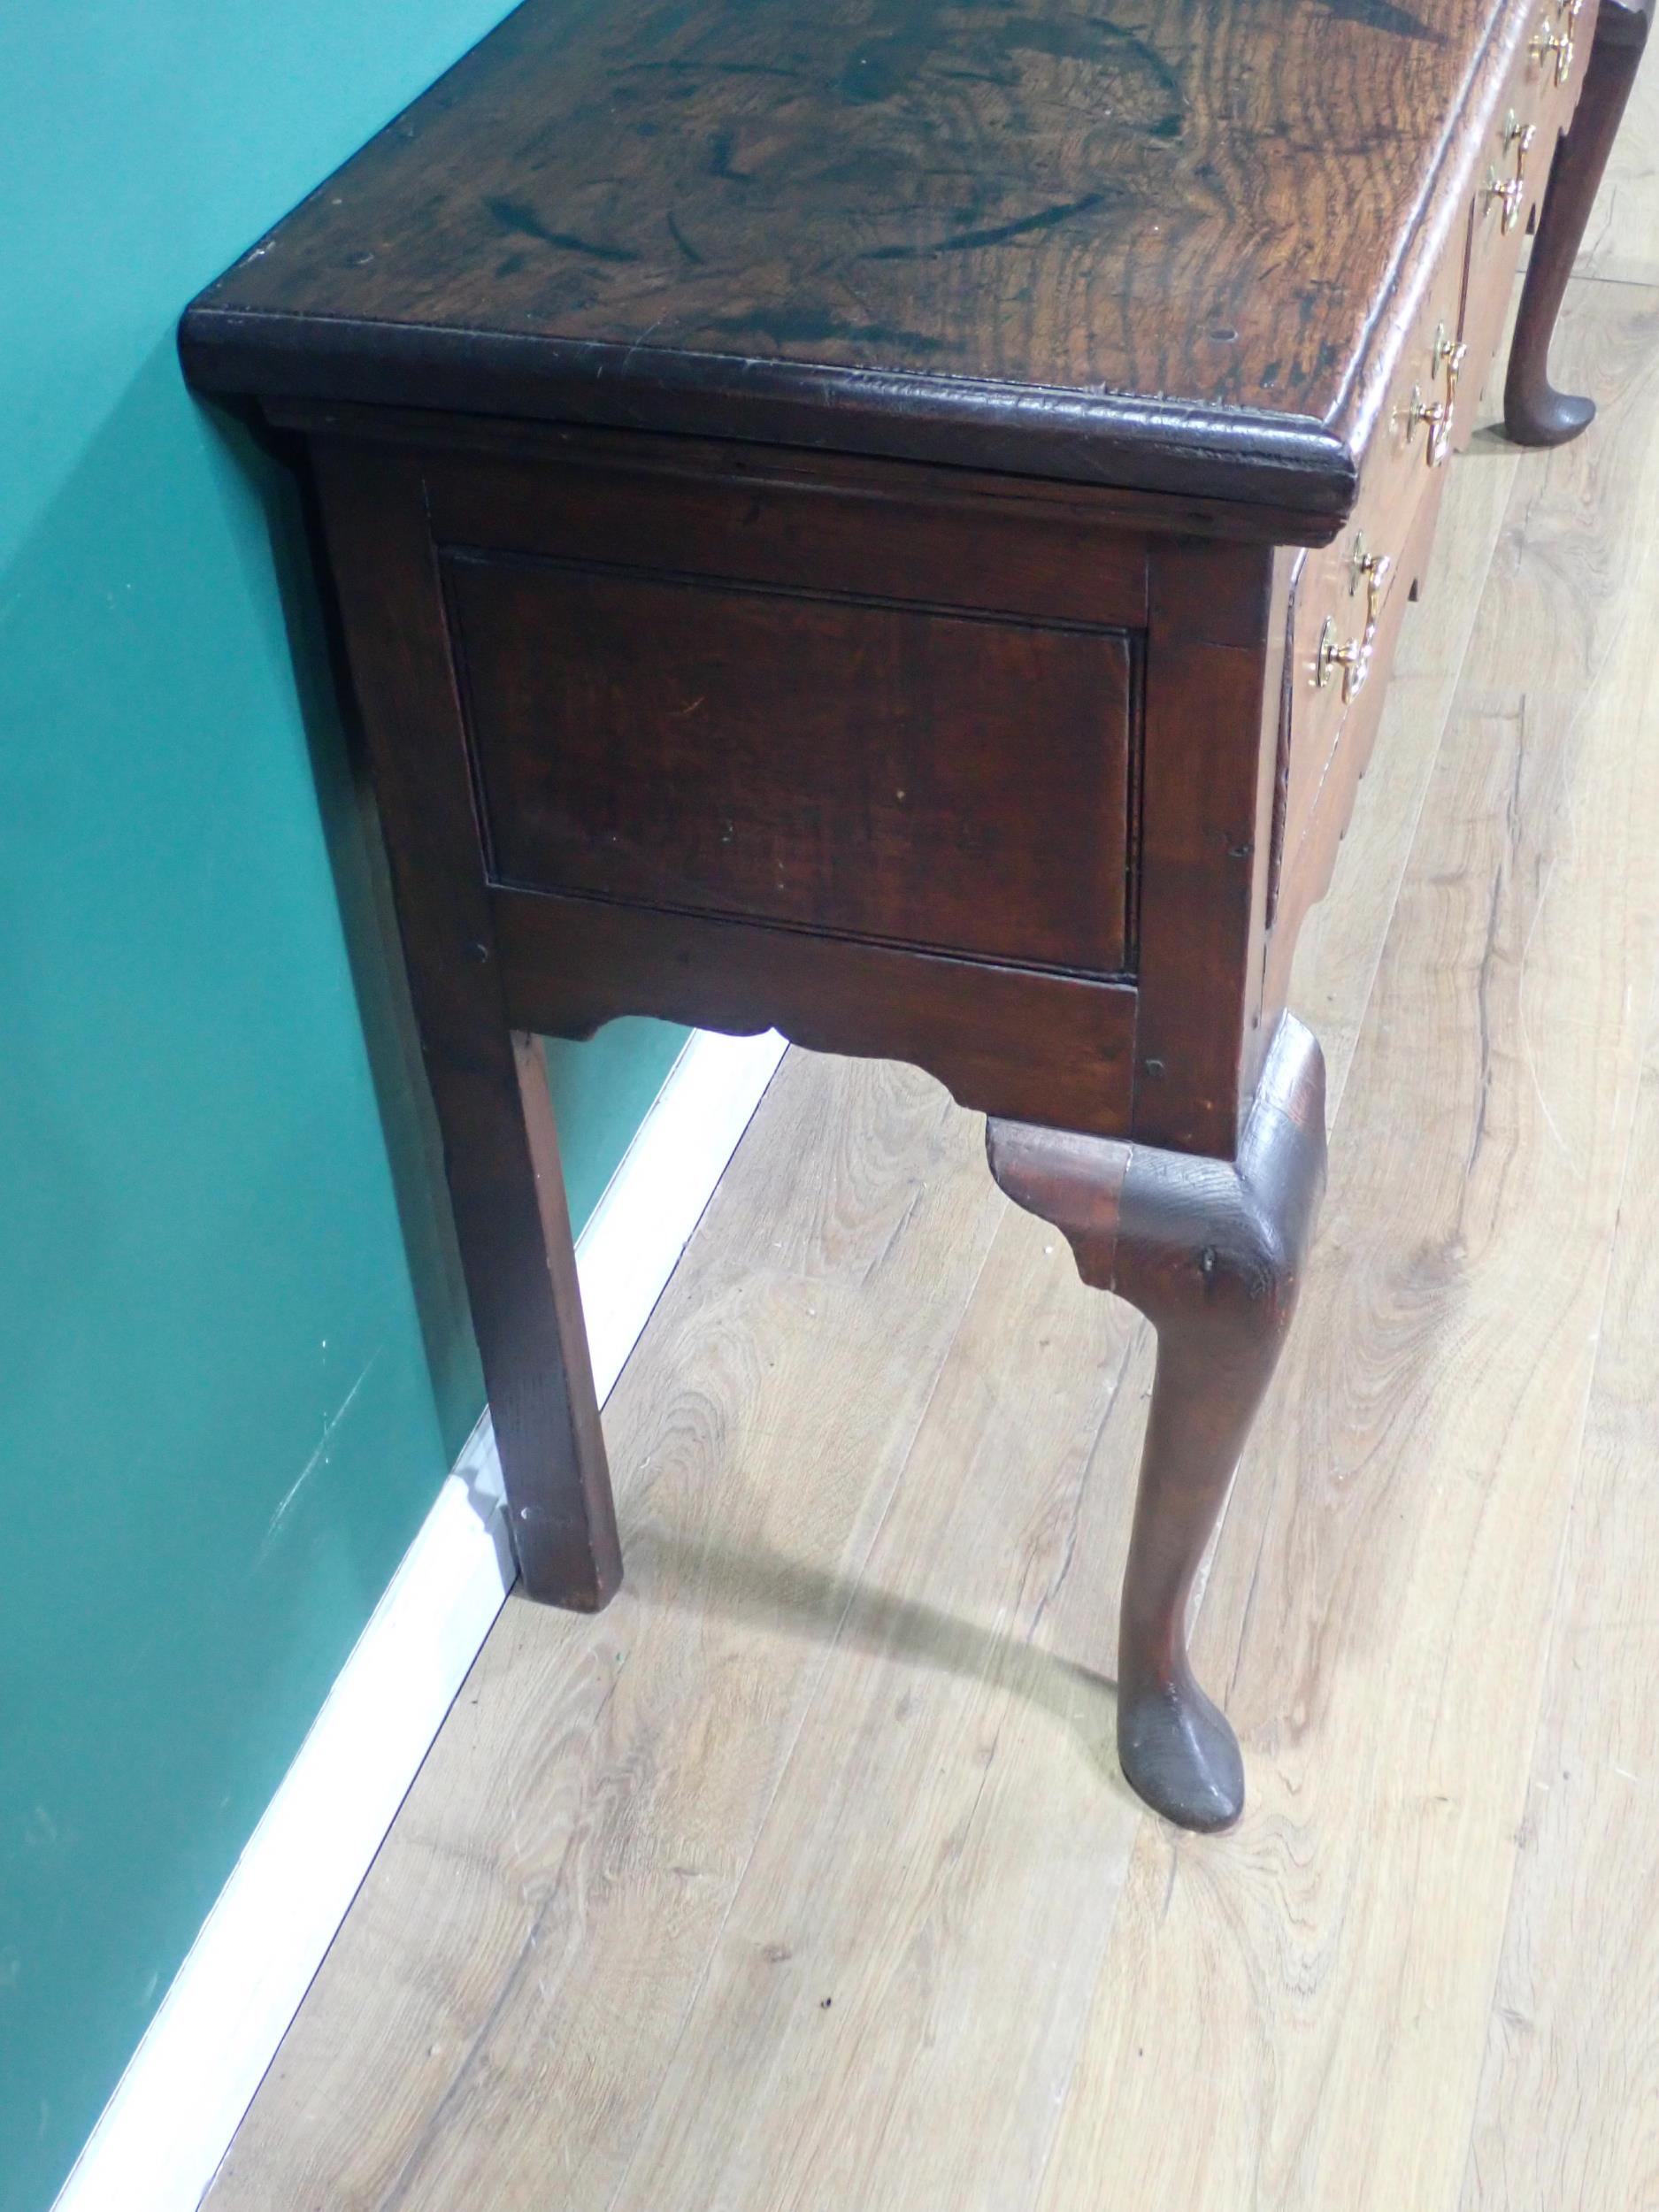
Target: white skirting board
178, 2104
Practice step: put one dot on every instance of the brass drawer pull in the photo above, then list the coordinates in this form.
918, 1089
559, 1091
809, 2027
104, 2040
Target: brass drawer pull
1510, 193
1522, 136
1353, 658
1546, 42
1437, 413
1447, 361
1372, 570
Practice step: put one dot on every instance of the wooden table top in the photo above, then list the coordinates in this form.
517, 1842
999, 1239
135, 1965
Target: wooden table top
1145, 242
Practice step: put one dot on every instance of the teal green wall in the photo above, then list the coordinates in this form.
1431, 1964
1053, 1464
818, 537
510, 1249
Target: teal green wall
233, 1359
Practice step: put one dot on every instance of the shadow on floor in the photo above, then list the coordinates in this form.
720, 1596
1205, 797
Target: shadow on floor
770, 1590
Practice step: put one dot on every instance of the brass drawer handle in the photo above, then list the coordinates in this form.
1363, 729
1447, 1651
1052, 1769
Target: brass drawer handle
1353, 658
1448, 357
1522, 136
1372, 570
1510, 192
1546, 42
1437, 414
1447, 361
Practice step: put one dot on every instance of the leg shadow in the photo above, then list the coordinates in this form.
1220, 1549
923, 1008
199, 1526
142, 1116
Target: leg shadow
770, 1590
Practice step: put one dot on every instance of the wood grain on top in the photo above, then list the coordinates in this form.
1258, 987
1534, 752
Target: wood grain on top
1073, 228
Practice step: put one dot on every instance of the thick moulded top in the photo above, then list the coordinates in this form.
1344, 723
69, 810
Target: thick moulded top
1146, 242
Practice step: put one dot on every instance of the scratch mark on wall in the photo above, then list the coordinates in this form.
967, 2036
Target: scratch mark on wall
318, 1458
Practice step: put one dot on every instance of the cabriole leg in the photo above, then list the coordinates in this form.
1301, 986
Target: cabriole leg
1534, 412
1211, 1252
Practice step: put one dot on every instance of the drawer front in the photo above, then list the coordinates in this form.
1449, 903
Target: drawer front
1348, 598
1305, 874
1342, 624
852, 766
1343, 627
1428, 402
1344, 603
1512, 173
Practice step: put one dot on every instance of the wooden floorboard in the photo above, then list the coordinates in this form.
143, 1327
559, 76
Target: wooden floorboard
805, 1878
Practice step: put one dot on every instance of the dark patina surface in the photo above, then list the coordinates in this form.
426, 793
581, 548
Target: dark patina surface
1104, 239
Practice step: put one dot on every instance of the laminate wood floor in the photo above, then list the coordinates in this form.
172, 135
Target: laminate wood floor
803, 1878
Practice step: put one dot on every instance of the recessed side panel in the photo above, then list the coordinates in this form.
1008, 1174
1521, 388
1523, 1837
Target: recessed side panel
866, 768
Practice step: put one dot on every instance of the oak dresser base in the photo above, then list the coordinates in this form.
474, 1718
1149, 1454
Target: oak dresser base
892, 523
